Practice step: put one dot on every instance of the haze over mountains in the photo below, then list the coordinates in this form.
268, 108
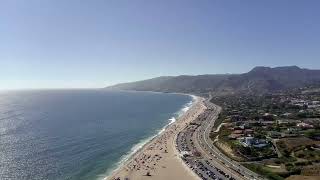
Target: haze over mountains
258, 80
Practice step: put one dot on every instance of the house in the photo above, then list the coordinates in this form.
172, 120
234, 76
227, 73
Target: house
237, 132
234, 136
286, 122
251, 141
315, 102
304, 125
287, 114
274, 134
283, 121
248, 132
267, 123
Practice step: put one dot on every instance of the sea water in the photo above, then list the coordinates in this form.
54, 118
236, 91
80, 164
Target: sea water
79, 134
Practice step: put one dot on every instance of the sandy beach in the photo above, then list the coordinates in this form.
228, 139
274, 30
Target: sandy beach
159, 159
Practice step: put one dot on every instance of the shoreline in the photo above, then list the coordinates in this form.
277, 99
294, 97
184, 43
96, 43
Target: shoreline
167, 133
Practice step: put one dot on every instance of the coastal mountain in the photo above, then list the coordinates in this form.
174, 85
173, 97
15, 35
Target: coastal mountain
258, 80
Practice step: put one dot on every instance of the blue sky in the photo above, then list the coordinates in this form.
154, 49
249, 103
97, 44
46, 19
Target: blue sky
74, 43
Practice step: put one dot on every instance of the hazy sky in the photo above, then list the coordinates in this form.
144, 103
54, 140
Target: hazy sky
93, 43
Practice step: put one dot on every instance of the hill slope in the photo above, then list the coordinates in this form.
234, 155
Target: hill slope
258, 80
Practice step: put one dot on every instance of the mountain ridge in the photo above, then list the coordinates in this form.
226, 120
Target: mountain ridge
260, 79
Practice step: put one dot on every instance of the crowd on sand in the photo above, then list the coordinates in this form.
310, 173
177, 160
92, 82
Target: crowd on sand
150, 158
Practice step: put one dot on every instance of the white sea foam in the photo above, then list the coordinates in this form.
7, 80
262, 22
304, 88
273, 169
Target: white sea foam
172, 120
138, 146
187, 106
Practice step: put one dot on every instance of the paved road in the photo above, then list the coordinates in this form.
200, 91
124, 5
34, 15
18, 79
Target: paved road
206, 143
209, 163
186, 143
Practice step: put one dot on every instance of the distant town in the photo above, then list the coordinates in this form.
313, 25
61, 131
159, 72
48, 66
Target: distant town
275, 135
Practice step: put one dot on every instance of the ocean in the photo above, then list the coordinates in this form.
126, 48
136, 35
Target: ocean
78, 134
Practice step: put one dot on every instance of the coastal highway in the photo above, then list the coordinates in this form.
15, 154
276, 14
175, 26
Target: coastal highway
206, 144
209, 153
211, 164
